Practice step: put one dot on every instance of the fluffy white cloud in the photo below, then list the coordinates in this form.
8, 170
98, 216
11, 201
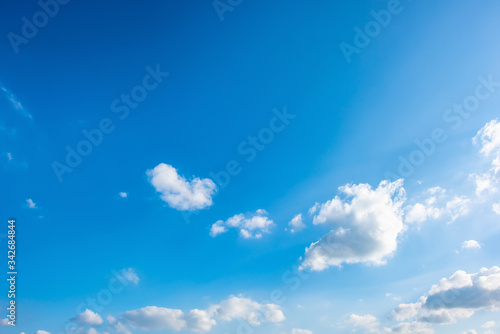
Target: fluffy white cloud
123, 194
88, 318
471, 244
41, 332
250, 226
364, 321
128, 275
296, 224
367, 226
456, 297
179, 193
235, 307
301, 331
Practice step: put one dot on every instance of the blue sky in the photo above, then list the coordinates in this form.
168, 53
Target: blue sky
245, 173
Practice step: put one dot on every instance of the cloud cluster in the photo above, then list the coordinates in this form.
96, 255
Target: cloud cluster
249, 226
88, 318
367, 225
456, 297
180, 193
437, 205
235, 307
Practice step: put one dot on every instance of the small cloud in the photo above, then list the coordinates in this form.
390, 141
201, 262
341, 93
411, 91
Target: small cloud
296, 223
88, 318
15, 102
128, 275
471, 244
250, 226
123, 194
489, 324
179, 193
9, 156
31, 204
4, 322
496, 208
41, 332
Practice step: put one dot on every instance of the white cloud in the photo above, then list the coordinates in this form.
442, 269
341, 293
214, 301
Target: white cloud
301, 331
121, 328
123, 194
249, 226
485, 183
470, 332
4, 322
436, 206
457, 207
14, 101
471, 244
30, 203
88, 318
489, 324
296, 223
199, 321
179, 193
456, 297
129, 275
90, 331
410, 328
367, 321
41, 332
489, 138
496, 208
111, 319
235, 307
367, 226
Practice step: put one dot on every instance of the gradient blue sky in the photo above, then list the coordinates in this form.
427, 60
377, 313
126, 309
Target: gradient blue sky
353, 120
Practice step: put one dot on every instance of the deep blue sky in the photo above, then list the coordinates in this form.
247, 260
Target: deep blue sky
352, 122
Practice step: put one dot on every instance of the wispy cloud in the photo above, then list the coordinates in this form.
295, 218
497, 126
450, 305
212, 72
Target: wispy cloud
15, 102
